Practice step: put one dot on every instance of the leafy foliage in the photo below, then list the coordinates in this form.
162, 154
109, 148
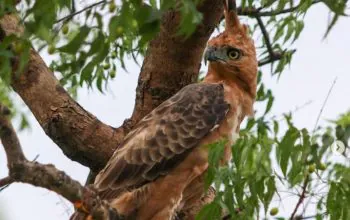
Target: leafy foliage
264, 164
89, 43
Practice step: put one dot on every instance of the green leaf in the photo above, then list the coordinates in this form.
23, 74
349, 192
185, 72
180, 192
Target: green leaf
190, 18
271, 190
216, 152
286, 147
100, 79
210, 211
269, 103
290, 29
74, 45
86, 73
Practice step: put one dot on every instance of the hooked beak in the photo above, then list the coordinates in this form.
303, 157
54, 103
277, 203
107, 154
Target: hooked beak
210, 55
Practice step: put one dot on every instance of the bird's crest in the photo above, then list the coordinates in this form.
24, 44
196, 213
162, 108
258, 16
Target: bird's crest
232, 24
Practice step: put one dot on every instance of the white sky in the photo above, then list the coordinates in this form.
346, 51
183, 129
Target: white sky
314, 67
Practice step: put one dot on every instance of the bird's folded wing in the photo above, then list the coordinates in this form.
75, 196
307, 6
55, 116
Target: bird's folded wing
163, 139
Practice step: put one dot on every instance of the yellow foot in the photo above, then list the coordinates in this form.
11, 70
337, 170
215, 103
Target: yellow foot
80, 206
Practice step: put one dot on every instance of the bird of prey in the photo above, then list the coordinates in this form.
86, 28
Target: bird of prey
158, 169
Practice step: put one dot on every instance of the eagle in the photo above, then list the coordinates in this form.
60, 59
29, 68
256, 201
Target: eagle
159, 167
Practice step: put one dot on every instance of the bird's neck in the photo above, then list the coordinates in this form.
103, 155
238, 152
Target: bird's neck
233, 86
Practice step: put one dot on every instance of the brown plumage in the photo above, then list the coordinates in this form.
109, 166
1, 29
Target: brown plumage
165, 137
158, 169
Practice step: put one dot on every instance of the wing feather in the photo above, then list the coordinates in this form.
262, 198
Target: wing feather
164, 137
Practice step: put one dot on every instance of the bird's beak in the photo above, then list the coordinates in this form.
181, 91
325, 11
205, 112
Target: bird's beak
210, 55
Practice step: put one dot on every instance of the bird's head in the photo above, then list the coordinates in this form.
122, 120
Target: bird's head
231, 54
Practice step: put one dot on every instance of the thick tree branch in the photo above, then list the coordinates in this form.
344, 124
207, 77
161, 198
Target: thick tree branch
22, 170
46, 176
80, 135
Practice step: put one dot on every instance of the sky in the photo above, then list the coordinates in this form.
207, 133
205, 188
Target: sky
316, 64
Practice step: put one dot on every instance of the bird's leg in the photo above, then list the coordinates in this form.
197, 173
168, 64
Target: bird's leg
129, 202
89, 194
166, 193
94, 207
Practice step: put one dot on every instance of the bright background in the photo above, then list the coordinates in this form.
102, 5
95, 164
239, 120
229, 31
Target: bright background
315, 65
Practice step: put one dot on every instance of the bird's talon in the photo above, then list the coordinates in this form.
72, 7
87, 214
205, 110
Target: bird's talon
80, 206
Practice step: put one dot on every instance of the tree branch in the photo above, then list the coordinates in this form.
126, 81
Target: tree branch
301, 197
273, 55
80, 135
80, 11
5, 182
22, 170
47, 176
251, 11
166, 70
266, 36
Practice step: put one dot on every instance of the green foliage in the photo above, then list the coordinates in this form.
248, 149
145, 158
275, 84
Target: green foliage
108, 32
338, 202
264, 164
343, 119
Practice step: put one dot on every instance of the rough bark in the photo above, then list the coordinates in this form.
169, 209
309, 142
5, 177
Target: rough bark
171, 63
47, 176
22, 170
80, 135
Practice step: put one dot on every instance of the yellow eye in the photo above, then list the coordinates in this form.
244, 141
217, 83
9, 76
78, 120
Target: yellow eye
234, 54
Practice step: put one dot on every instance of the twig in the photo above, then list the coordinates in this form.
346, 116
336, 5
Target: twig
251, 11
295, 110
312, 216
266, 61
273, 55
276, 56
266, 36
80, 11
302, 196
324, 105
5, 182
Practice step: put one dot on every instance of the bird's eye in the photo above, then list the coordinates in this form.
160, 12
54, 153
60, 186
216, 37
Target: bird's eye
234, 54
